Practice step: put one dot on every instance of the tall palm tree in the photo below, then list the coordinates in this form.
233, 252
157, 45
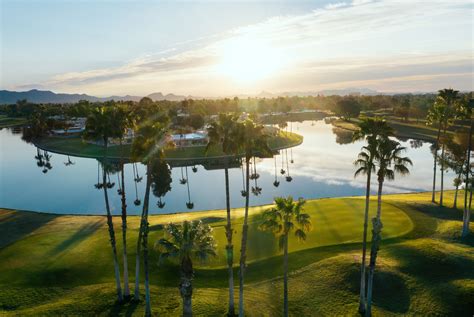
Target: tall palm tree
122, 121
99, 126
147, 147
442, 113
456, 183
191, 240
371, 130
221, 133
287, 216
251, 140
389, 161
455, 158
467, 207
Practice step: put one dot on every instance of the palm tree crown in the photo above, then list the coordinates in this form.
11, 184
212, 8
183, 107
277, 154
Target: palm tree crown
372, 128
287, 216
390, 161
191, 240
251, 139
221, 132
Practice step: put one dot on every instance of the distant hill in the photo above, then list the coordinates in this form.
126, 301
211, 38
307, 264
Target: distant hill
46, 96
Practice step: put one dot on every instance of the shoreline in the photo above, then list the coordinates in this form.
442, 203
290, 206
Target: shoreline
48, 213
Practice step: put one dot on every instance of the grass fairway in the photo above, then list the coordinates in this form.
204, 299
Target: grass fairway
402, 129
55, 264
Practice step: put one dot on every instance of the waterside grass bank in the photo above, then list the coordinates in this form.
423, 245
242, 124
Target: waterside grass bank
61, 264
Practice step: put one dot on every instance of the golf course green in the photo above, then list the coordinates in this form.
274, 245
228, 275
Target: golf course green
61, 264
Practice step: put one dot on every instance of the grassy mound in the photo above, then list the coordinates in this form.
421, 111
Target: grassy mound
55, 264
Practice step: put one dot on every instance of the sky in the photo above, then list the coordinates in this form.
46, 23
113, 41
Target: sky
224, 48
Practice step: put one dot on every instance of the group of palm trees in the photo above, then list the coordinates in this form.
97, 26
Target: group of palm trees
449, 106
382, 156
236, 138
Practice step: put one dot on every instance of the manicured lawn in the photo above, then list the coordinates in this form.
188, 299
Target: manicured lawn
6, 121
408, 130
76, 146
53, 264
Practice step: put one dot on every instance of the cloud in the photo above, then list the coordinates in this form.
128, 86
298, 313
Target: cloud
390, 45
336, 5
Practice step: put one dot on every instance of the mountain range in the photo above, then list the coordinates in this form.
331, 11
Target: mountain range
46, 96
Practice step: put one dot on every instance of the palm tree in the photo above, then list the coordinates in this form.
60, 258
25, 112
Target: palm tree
191, 240
221, 133
99, 126
456, 183
147, 146
287, 216
467, 207
371, 130
455, 158
251, 140
122, 121
441, 113
389, 161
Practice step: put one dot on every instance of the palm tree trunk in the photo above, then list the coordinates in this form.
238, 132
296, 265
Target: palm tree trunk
139, 241
145, 240
442, 176
433, 196
126, 288
243, 248
285, 277
229, 247
362, 299
455, 204
376, 230
186, 286
467, 208
470, 198
110, 226
137, 258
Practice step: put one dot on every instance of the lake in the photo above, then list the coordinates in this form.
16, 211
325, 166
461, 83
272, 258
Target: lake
322, 166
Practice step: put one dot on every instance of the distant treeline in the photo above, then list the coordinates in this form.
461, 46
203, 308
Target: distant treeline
403, 105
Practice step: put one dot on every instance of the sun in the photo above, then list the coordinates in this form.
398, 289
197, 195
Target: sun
248, 60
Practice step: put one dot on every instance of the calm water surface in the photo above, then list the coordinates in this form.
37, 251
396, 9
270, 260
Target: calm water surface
321, 167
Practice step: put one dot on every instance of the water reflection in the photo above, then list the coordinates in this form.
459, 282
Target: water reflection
320, 167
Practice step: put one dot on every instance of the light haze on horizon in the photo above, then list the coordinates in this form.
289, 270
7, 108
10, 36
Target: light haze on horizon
207, 48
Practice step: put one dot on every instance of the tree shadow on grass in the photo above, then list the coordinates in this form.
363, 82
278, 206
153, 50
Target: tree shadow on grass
433, 264
125, 308
437, 270
438, 212
390, 291
85, 231
18, 224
